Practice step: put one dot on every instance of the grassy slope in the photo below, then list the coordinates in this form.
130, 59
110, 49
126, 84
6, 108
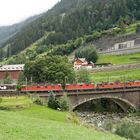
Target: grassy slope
132, 28
121, 75
41, 123
121, 59
12, 102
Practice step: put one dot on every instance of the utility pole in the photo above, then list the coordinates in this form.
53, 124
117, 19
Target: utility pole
31, 80
26, 83
124, 80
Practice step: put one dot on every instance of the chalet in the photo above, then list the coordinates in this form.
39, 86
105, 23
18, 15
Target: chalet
12, 70
82, 63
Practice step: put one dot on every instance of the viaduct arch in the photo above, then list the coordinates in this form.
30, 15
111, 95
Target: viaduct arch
125, 98
125, 105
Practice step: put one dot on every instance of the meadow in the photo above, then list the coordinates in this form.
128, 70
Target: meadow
118, 75
120, 59
41, 123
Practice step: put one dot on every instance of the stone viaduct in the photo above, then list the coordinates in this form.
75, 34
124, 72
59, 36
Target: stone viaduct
127, 99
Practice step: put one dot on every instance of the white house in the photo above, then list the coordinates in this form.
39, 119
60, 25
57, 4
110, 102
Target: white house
82, 63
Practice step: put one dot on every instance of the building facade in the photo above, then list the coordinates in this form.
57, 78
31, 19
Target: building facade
123, 45
11, 70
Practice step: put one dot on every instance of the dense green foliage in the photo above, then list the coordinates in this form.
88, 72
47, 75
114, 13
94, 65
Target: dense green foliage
64, 103
89, 53
54, 69
7, 32
61, 104
130, 130
53, 102
69, 20
38, 49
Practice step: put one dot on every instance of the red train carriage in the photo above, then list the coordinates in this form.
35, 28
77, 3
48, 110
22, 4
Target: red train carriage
133, 84
38, 88
105, 86
79, 87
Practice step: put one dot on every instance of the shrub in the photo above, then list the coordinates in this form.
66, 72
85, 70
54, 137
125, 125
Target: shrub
64, 103
38, 101
128, 130
18, 87
53, 102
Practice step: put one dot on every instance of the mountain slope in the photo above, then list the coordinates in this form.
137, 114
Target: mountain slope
7, 32
68, 20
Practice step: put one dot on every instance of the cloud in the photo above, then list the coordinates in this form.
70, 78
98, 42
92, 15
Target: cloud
13, 11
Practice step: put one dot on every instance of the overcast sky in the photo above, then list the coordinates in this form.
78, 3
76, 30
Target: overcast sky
13, 11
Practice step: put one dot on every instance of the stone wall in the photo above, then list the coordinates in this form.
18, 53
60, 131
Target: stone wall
105, 43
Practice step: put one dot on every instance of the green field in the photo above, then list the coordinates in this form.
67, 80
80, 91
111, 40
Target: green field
41, 123
120, 59
121, 75
13, 102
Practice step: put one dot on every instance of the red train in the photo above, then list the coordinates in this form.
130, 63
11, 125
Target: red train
58, 88
81, 87
72, 87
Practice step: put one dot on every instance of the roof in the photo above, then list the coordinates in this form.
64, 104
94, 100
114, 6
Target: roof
81, 59
19, 67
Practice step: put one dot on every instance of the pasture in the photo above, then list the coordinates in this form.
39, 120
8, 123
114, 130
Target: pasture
118, 75
41, 123
120, 59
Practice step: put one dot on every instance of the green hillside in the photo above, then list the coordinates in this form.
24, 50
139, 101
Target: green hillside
39, 48
118, 75
69, 20
120, 59
41, 123
6, 32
